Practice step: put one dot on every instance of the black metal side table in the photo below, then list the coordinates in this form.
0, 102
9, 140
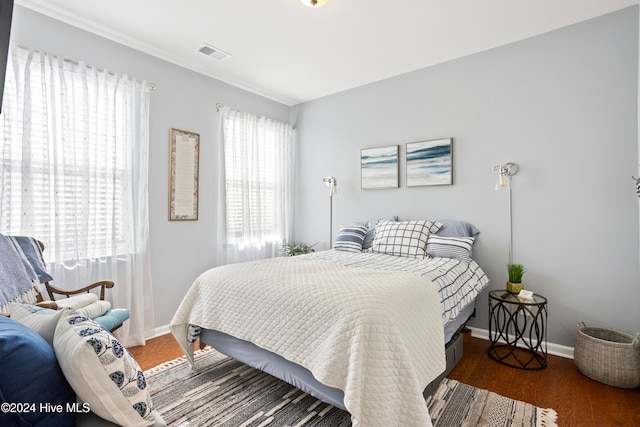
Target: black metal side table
517, 330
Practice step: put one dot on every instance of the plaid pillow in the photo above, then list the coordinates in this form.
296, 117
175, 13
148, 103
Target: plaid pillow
403, 238
449, 247
350, 238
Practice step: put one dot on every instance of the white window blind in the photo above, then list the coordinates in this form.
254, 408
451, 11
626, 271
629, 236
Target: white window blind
250, 182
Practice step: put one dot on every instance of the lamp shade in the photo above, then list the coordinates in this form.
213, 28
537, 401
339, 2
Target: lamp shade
504, 182
505, 172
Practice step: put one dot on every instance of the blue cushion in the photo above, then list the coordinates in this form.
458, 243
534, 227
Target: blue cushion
112, 318
29, 374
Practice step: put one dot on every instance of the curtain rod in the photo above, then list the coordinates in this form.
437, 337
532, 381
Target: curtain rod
151, 86
221, 106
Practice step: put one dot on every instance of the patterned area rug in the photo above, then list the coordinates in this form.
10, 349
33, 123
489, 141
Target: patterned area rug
224, 392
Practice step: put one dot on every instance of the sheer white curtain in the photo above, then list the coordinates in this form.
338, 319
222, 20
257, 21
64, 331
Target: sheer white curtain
74, 159
256, 186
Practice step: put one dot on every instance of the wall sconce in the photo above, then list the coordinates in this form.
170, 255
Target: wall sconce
333, 189
505, 172
313, 3
332, 184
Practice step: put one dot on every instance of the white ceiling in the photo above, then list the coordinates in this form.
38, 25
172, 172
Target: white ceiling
290, 53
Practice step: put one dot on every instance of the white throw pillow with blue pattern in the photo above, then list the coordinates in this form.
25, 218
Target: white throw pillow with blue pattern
102, 372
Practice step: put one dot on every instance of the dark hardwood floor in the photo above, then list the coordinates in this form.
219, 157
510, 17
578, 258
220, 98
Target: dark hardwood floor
578, 400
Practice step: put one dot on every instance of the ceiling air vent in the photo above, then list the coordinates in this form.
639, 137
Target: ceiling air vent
213, 52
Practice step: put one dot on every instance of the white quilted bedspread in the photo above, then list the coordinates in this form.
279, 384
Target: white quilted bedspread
377, 335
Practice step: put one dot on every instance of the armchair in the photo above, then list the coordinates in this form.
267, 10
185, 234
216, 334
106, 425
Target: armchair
111, 319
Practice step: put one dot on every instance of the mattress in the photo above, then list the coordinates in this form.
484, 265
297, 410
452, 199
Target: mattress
371, 325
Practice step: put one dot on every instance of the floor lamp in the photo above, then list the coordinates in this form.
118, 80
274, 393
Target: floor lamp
333, 189
505, 172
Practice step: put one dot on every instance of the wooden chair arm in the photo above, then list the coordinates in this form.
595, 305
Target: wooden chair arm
103, 284
47, 304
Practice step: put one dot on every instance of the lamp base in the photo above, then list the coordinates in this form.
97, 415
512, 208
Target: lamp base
515, 288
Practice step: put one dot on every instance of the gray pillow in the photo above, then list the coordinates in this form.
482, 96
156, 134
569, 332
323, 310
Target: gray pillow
456, 228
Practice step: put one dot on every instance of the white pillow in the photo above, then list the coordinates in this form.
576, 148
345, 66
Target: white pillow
77, 301
94, 309
39, 319
403, 238
102, 372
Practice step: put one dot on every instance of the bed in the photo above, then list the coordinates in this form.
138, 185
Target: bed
362, 330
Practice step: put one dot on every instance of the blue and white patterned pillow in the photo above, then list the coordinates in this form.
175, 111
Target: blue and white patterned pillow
102, 372
449, 247
403, 238
350, 238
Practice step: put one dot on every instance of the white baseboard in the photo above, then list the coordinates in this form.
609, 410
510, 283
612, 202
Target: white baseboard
161, 330
555, 349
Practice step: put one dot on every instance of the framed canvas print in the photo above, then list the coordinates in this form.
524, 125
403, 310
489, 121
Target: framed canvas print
379, 167
429, 162
184, 155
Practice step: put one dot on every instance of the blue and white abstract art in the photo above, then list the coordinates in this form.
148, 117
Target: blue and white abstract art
429, 162
379, 167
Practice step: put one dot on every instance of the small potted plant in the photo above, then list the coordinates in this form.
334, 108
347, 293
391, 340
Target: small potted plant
293, 249
516, 271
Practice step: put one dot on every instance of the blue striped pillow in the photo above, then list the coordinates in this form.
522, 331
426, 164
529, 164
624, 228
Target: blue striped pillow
449, 247
350, 238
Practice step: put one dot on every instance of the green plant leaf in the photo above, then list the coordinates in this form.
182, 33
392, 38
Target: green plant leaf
515, 271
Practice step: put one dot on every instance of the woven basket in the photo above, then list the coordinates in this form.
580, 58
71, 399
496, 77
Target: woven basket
608, 356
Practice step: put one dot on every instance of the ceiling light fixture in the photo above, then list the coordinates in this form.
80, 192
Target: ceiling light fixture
313, 3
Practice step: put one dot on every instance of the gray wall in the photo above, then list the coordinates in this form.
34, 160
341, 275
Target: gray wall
180, 250
563, 106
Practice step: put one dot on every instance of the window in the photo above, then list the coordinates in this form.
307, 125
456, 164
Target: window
258, 183
74, 159
66, 156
